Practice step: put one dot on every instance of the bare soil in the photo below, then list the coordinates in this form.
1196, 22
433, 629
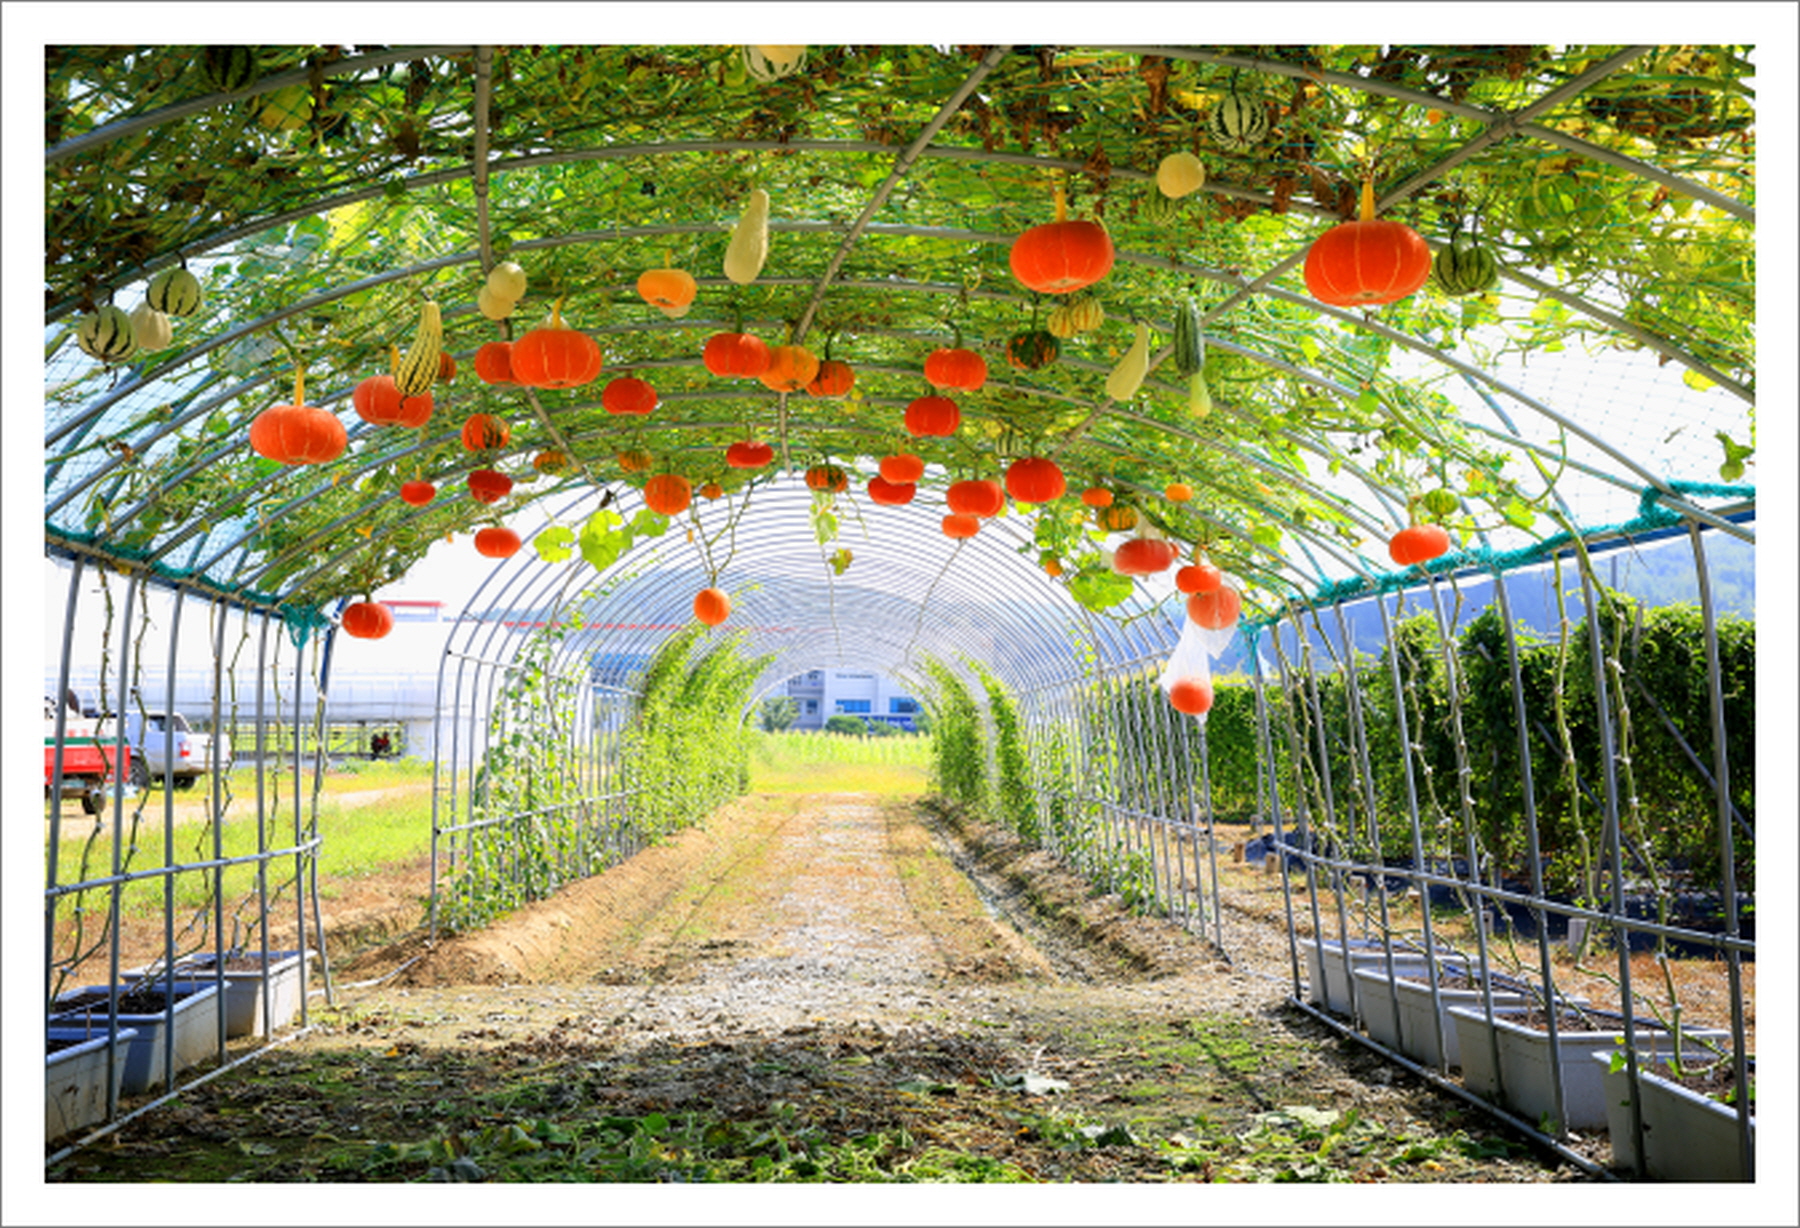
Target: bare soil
868, 964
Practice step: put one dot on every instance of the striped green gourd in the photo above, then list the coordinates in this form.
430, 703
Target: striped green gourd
106, 334
174, 292
414, 373
228, 68
1465, 267
1237, 123
1189, 354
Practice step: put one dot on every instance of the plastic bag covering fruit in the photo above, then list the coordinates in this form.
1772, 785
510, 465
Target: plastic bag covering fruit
1187, 676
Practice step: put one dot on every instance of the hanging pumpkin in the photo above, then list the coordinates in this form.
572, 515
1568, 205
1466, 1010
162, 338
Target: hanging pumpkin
1178, 492
1097, 497
791, 368
891, 494
976, 497
485, 432
954, 367
827, 478
556, 356
736, 355
712, 490
961, 525
1199, 577
1035, 479
1144, 556
1127, 377
1238, 123
551, 461
367, 620
667, 289
833, 380
174, 292
1180, 174
417, 493
1032, 349
749, 454
1419, 543
1117, 518
1083, 313
628, 395
1216, 608
1062, 256
635, 460
712, 606
1368, 262
151, 329
493, 363
1189, 353
1464, 267
298, 434
932, 416
902, 469
489, 485
106, 334
1192, 695
668, 494
228, 68
446, 368
497, 543
377, 400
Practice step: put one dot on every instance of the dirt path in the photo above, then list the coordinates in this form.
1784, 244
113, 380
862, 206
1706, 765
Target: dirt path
881, 973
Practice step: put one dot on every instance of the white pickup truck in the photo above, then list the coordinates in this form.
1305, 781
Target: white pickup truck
164, 748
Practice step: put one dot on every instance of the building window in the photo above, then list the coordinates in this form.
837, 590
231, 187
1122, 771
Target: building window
901, 705
812, 707
816, 678
855, 707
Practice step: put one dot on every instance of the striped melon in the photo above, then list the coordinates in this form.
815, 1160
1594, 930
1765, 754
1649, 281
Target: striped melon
228, 68
415, 373
151, 328
1081, 314
174, 292
106, 334
1157, 208
1464, 267
1237, 123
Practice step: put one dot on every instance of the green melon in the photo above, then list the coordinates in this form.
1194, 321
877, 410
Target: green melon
106, 334
174, 292
1464, 267
1238, 123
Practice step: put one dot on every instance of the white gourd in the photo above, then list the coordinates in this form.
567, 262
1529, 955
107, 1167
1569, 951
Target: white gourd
492, 305
1125, 379
749, 246
1180, 174
507, 281
151, 328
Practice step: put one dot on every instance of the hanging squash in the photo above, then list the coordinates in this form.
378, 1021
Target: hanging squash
748, 249
298, 434
106, 334
1192, 695
1097, 496
1419, 543
174, 292
1178, 492
711, 491
507, 282
377, 401
1061, 256
791, 368
667, 289
748, 454
497, 543
1180, 174
1144, 556
955, 367
1032, 349
976, 497
1083, 313
833, 380
551, 461
151, 329
634, 460
736, 355
1117, 518
485, 432
366, 620
902, 469
493, 363
228, 68
1238, 123
828, 478
1198, 577
1190, 357
556, 356
769, 64
1368, 262
1463, 267
1035, 479
446, 367
891, 494
628, 395
960, 525
712, 606
1215, 609
417, 371
932, 416
417, 493
668, 494
1126, 378
489, 485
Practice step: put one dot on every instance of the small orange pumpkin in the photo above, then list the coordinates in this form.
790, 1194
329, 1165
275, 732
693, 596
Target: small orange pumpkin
635, 460
484, 432
668, 494
628, 395
418, 494
1097, 496
669, 289
833, 380
953, 367
489, 485
497, 543
1143, 556
1201, 577
377, 401
1217, 609
1192, 695
1117, 518
749, 454
1035, 479
738, 355
902, 469
367, 620
298, 434
712, 490
960, 525
550, 461
1419, 543
712, 606
827, 477
976, 497
932, 416
891, 494
556, 356
446, 367
791, 368
493, 363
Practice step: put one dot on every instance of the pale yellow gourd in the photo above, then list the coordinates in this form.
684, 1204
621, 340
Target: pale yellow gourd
749, 246
507, 281
1180, 174
492, 305
1126, 378
151, 328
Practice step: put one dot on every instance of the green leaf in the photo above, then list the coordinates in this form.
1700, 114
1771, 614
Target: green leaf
1693, 379
1099, 588
555, 544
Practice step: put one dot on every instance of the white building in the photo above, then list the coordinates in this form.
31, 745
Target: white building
824, 693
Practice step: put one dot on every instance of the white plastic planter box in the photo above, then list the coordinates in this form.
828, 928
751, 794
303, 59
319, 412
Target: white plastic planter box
1328, 978
195, 1021
1524, 1083
1687, 1136
75, 1093
1404, 1020
244, 977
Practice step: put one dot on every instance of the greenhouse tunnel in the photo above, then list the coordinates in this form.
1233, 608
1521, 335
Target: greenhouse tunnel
1498, 746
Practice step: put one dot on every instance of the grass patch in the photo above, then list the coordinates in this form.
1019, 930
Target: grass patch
895, 766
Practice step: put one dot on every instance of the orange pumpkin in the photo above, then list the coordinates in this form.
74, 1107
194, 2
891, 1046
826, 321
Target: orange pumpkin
1144, 556
791, 368
932, 416
377, 400
749, 454
738, 355
1062, 256
955, 368
1117, 518
298, 434
976, 497
484, 432
1217, 609
827, 477
669, 289
497, 543
833, 380
418, 494
668, 494
367, 620
958, 525
1035, 479
1419, 543
628, 395
1192, 695
489, 485
902, 469
550, 461
1367, 262
1097, 496
892, 494
493, 363
1201, 577
635, 460
712, 490
1178, 492
446, 367
712, 606
556, 356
